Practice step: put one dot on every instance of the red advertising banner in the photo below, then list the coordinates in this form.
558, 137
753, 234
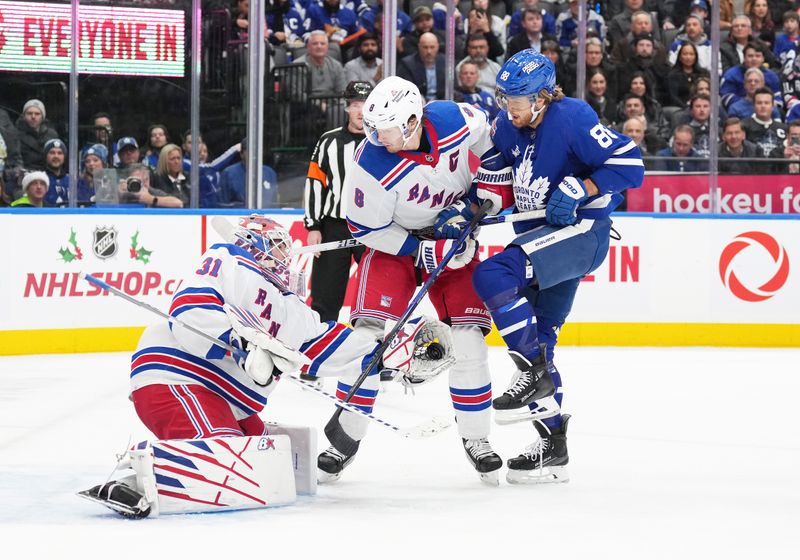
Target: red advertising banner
35, 37
739, 194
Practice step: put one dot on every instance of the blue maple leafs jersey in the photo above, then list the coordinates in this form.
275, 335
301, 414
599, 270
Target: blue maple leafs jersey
570, 141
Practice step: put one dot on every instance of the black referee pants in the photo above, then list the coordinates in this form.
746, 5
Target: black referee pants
331, 271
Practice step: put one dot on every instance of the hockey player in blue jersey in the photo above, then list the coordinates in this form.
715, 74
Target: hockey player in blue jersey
550, 153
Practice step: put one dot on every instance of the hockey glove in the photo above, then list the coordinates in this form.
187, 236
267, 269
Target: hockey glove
420, 351
430, 253
563, 204
449, 222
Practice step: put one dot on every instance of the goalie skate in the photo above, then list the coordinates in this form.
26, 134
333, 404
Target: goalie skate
532, 382
120, 498
330, 465
483, 459
543, 461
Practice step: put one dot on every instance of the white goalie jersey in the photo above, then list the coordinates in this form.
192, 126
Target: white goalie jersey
172, 355
387, 195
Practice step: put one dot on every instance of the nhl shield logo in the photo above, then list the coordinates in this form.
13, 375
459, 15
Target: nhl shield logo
104, 242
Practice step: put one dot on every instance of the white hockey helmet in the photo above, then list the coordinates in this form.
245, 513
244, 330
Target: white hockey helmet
390, 106
271, 245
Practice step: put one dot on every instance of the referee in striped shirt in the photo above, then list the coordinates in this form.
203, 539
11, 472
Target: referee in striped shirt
324, 219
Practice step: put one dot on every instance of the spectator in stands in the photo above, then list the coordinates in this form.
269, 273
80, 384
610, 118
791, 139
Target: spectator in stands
646, 62
233, 182
8, 131
440, 20
552, 51
634, 107
469, 92
157, 138
34, 187
33, 133
595, 59
327, 74
634, 128
743, 107
138, 188
567, 26
285, 26
681, 146
169, 174
684, 74
338, 23
642, 88
422, 16
103, 131
734, 145
497, 25
789, 150
426, 68
478, 53
694, 35
620, 24
731, 50
761, 128
55, 154
732, 86
375, 14
366, 67
787, 41
95, 158
641, 24
128, 151
480, 24
598, 98
548, 20
699, 119
240, 20
531, 35
761, 20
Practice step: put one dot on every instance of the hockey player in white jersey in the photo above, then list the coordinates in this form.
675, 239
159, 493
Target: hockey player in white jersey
414, 164
184, 387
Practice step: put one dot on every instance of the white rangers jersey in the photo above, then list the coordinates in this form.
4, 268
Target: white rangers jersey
386, 195
172, 355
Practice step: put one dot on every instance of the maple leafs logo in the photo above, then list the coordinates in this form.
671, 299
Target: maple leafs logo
138, 252
71, 252
523, 173
539, 187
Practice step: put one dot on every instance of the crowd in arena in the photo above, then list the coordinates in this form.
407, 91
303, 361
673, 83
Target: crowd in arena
647, 74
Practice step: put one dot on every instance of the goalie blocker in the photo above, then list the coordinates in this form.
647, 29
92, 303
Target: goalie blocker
216, 474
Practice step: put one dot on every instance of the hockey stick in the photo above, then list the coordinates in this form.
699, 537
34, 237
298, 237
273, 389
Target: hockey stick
429, 428
425, 232
343, 442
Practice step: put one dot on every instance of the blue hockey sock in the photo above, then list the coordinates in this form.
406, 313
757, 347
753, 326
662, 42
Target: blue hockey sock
499, 281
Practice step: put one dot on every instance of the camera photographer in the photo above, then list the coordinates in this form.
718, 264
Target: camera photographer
136, 189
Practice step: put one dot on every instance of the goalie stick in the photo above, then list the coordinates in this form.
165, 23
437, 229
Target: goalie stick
333, 430
224, 228
426, 429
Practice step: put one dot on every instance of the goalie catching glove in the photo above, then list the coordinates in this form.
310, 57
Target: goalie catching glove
267, 357
421, 350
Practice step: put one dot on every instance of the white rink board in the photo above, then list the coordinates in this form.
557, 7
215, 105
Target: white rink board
664, 270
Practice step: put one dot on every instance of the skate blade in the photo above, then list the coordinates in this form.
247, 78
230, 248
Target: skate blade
537, 476
328, 478
546, 408
490, 478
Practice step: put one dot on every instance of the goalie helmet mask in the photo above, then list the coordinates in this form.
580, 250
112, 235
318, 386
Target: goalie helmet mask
271, 246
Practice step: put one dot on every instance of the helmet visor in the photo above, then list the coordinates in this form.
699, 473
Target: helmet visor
514, 102
391, 136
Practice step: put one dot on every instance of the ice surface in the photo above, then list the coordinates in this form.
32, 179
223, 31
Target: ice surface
675, 453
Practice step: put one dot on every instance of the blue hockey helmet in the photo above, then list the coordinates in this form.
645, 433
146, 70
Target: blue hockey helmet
524, 75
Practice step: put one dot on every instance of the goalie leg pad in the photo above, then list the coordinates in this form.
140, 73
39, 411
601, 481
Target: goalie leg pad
470, 383
304, 458
192, 476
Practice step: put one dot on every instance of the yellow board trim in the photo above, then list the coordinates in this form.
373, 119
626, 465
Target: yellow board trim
124, 339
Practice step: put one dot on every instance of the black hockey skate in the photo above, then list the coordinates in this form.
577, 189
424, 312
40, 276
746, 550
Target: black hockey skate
543, 461
483, 459
532, 382
119, 497
331, 463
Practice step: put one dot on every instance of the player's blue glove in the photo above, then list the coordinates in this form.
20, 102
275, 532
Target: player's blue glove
563, 204
448, 222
